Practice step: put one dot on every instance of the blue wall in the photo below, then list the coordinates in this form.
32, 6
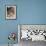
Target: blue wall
33, 12
28, 12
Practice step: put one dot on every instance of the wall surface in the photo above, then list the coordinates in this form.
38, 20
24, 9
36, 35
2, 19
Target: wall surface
28, 12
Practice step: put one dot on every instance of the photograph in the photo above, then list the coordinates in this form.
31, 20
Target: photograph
11, 12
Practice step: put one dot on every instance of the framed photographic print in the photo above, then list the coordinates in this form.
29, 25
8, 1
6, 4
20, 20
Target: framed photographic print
10, 12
